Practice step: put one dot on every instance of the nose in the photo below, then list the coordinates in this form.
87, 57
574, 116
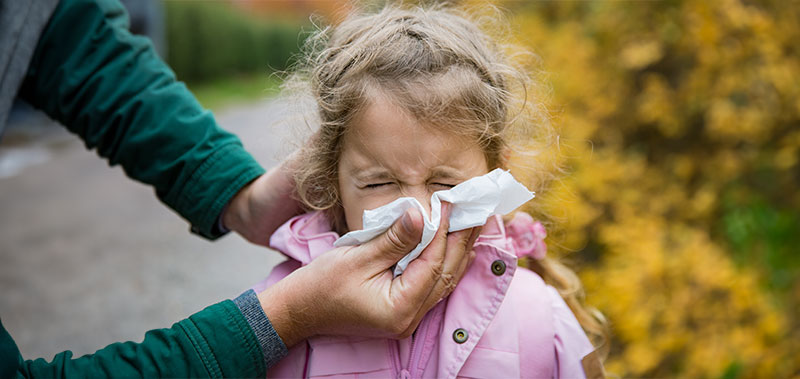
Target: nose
422, 195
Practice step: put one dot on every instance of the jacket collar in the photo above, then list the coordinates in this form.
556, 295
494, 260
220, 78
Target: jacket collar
304, 237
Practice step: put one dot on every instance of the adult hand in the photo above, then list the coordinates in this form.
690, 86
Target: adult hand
351, 290
263, 205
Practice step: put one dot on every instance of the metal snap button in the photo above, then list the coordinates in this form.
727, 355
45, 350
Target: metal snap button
498, 267
460, 335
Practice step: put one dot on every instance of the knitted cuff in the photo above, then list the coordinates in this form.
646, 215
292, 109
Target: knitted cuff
271, 344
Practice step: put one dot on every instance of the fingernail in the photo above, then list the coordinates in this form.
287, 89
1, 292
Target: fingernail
408, 222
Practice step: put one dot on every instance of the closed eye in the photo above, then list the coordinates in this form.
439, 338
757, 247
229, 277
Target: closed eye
444, 185
378, 185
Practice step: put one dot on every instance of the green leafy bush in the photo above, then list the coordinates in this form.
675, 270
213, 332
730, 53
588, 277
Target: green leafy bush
212, 39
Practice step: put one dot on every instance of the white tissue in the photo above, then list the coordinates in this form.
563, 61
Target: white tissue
474, 201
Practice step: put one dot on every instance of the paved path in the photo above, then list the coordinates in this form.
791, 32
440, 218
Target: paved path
88, 257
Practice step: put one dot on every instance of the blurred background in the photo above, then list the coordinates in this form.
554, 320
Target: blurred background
680, 138
679, 125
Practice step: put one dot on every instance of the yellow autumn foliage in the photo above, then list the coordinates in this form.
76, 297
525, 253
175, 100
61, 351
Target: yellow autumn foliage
679, 137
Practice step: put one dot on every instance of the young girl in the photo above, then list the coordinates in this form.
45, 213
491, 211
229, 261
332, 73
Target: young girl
411, 102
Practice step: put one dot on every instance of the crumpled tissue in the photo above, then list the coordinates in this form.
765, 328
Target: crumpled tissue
474, 201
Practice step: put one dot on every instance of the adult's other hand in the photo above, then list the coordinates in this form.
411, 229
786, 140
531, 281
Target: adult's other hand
351, 290
259, 208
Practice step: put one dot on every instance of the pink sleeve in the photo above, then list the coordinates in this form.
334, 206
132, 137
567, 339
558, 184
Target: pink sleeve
571, 343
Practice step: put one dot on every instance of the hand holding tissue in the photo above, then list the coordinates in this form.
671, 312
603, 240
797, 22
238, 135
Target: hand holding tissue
474, 201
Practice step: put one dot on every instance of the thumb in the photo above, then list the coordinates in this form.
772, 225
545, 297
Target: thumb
397, 241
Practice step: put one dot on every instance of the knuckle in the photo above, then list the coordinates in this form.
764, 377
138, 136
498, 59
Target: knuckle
394, 240
449, 282
437, 271
457, 241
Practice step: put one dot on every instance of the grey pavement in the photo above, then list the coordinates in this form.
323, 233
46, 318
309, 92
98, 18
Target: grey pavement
89, 257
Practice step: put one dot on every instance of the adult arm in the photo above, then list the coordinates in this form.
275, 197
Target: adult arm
111, 88
349, 290
215, 342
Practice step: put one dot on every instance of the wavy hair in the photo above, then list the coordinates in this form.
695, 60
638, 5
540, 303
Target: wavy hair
440, 65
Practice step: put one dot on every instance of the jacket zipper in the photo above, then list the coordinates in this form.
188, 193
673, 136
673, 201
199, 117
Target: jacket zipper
394, 349
418, 342
415, 355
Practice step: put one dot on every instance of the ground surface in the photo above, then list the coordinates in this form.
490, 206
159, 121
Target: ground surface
88, 257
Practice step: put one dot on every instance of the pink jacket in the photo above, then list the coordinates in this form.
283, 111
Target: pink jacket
502, 321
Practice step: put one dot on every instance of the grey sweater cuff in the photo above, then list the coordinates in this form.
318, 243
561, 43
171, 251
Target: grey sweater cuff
271, 344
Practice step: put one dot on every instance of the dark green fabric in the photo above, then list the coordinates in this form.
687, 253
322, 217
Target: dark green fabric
215, 342
111, 88
9, 354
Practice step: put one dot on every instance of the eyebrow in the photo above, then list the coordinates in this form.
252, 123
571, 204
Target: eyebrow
448, 173
373, 175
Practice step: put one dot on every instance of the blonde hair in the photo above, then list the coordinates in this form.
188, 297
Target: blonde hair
439, 66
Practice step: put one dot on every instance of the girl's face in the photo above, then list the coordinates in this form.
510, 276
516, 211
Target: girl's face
387, 154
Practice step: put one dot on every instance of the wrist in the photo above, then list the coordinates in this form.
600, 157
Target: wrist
272, 345
236, 212
289, 310
263, 205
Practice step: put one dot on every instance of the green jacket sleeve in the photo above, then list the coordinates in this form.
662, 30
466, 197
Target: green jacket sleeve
111, 88
215, 342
